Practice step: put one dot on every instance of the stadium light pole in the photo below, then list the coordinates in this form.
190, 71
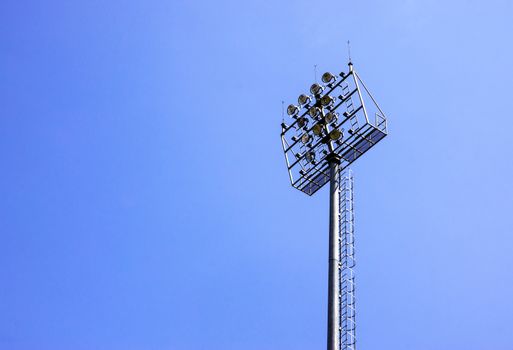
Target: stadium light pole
330, 128
334, 255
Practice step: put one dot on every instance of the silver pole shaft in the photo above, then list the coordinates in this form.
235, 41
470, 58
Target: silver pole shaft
334, 262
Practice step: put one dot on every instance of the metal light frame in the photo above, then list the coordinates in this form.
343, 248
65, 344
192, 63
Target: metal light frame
360, 132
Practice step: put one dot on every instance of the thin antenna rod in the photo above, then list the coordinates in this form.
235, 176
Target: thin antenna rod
349, 50
283, 111
315, 72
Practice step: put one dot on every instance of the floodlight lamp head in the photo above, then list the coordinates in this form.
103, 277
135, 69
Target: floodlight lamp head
335, 134
316, 89
292, 110
303, 99
317, 129
305, 138
301, 122
327, 100
328, 77
310, 156
314, 112
331, 117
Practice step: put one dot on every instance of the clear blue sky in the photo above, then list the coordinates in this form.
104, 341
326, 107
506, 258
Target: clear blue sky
145, 202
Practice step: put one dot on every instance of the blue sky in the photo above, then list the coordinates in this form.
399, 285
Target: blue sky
145, 202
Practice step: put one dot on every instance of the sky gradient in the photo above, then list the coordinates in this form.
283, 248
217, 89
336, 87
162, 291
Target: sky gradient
145, 202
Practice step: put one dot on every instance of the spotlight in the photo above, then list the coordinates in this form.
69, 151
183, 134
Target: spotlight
302, 122
326, 100
328, 77
314, 112
335, 134
305, 138
310, 156
316, 89
303, 99
292, 110
317, 129
331, 117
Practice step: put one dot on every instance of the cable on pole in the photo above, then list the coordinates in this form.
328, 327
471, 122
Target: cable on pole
349, 50
283, 111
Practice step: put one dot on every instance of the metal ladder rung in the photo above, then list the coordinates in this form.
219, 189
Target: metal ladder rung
346, 255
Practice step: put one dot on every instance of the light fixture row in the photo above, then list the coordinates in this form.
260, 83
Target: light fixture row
316, 110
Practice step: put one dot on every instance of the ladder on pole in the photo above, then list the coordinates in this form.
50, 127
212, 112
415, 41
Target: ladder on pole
347, 262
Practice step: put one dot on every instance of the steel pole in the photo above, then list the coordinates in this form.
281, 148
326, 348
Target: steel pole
334, 257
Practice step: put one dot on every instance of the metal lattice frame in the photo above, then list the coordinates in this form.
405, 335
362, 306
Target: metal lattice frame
347, 262
353, 105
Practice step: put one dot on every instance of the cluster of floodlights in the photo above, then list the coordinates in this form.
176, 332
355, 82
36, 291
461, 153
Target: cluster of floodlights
332, 119
321, 110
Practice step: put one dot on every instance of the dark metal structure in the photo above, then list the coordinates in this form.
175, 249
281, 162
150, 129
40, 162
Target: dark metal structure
337, 119
331, 127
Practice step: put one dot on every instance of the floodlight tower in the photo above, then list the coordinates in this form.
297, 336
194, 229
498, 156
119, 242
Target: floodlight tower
330, 128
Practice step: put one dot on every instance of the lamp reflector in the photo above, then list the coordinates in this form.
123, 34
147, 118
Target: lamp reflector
326, 100
303, 99
292, 110
305, 138
316, 89
302, 122
335, 134
331, 117
328, 77
317, 129
314, 112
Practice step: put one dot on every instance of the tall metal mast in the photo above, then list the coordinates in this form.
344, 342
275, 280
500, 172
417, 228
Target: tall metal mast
329, 130
334, 256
